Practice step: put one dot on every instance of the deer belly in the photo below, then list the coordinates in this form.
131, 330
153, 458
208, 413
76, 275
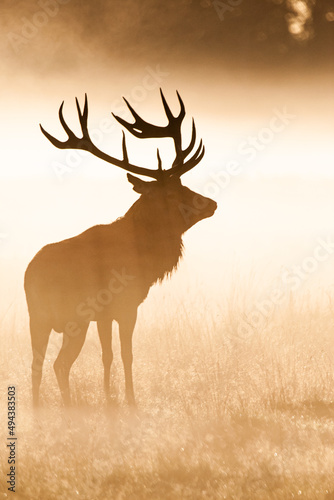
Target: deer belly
71, 311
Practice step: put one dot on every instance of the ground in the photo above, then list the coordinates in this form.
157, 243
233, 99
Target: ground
220, 414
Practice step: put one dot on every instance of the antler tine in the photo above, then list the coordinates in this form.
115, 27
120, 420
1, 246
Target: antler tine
83, 116
124, 148
195, 160
188, 150
169, 114
159, 160
133, 111
53, 140
134, 128
62, 121
181, 169
183, 109
160, 169
166, 107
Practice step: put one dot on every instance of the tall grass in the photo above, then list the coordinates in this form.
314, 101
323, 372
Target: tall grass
219, 415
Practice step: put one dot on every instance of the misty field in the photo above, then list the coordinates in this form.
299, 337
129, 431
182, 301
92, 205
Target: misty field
220, 415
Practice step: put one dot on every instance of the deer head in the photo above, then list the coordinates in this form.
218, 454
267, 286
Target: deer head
166, 195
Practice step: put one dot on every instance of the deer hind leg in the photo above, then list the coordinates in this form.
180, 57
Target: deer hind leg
40, 334
70, 350
126, 327
104, 328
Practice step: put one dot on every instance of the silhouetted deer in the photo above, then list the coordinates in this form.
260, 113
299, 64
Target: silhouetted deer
105, 273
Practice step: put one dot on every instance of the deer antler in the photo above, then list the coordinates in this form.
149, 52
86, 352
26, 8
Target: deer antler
141, 129
85, 143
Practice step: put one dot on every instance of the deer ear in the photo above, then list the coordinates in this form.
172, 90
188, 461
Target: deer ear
140, 186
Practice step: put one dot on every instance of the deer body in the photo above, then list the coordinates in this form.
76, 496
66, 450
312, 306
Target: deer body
105, 273
122, 258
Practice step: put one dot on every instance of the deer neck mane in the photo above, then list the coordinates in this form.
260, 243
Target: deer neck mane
159, 242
